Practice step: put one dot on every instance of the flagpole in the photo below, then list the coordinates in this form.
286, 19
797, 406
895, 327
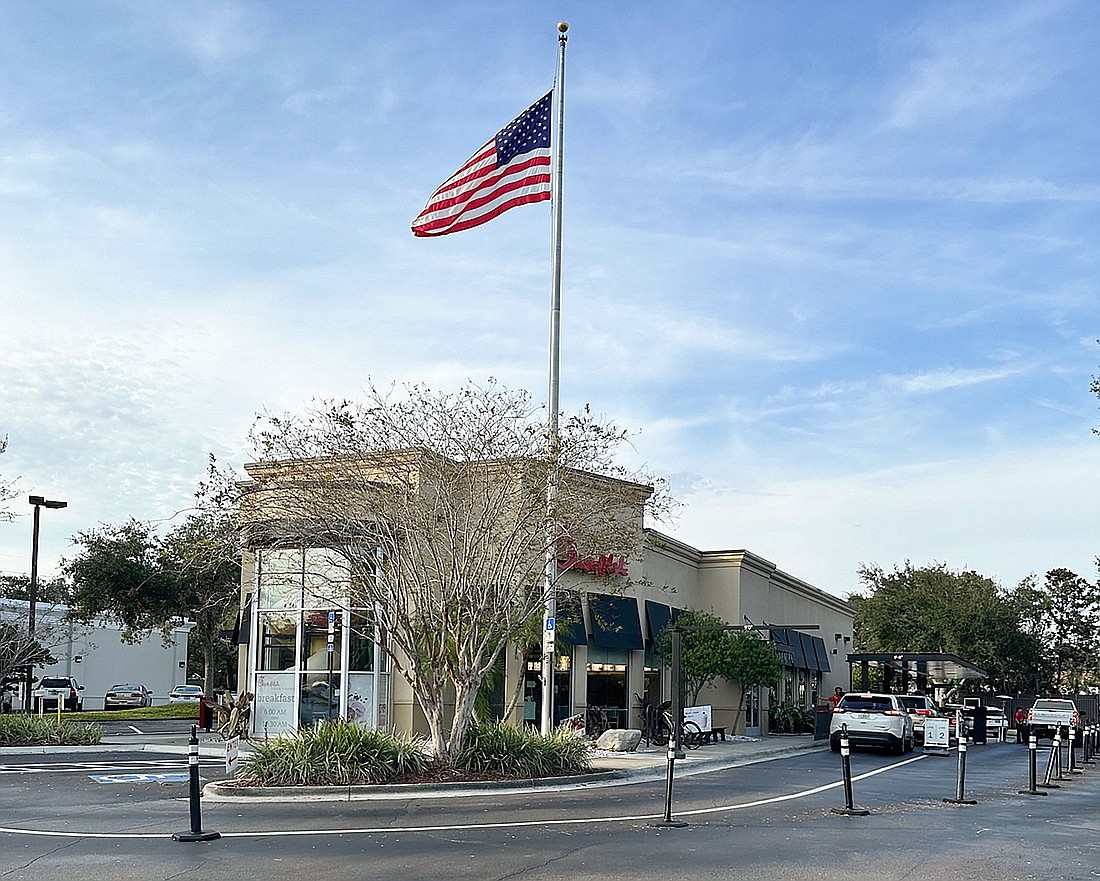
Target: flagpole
550, 612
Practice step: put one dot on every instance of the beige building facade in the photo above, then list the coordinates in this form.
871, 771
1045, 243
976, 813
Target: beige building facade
309, 653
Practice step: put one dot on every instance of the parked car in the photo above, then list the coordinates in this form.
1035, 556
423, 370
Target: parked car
185, 694
872, 720
920, 707
64, 687
127, 694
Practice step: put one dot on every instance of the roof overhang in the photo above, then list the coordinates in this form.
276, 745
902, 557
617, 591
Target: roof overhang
939, 666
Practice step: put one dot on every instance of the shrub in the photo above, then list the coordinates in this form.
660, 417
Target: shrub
788, 718
505, 750
22, 730
333, 754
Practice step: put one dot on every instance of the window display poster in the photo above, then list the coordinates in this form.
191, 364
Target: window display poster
360, 698
274, 704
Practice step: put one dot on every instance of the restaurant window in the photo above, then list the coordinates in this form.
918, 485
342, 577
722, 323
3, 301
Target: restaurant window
277, 638
607, 686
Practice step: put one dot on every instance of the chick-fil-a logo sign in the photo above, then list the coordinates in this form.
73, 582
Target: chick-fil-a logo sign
604, 566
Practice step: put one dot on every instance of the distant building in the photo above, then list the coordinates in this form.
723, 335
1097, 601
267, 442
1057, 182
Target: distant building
97, 657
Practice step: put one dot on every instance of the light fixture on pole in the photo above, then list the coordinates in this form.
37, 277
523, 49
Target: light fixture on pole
32, 593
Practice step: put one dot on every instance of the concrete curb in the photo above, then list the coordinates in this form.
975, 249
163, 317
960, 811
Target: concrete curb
648, 768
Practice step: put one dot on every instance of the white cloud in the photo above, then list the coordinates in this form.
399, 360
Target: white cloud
1004, 514
979, 66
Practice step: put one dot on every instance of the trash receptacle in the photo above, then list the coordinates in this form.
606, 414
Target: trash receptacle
979, 719
823, 714
206, 713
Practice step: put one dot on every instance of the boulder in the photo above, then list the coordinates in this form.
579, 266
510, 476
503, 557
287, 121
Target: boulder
620, 740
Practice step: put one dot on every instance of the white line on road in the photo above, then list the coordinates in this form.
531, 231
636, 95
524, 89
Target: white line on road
457, 827
135, 729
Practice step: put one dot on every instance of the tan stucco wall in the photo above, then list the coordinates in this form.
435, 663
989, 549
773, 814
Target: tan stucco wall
732, 584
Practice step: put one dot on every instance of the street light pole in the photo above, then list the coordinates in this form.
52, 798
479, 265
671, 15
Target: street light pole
32, 593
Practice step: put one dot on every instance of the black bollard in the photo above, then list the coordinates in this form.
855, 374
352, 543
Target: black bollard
960, 781
1088, 744
849, 808
1032, 747
1072, 764
196, 833
668, 822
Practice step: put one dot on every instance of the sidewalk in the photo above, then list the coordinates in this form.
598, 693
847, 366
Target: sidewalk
723, 754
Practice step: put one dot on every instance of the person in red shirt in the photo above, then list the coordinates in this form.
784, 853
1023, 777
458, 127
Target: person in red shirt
1021, 725
835, 697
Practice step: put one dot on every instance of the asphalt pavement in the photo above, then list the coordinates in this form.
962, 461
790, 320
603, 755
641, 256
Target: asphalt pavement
764, 809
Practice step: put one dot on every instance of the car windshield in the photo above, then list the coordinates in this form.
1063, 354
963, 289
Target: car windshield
916, 703
188, 689
125, 686
867, 703
55, 683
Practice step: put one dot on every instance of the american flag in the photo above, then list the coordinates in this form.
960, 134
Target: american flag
512, 169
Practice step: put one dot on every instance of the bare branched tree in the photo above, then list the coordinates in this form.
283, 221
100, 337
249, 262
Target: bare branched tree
19, 648
435, 507
8, 489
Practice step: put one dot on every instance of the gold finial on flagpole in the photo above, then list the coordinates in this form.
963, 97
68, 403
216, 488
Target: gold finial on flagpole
563, 26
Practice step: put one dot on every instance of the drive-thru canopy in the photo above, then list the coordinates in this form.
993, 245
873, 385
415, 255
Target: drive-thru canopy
903, 670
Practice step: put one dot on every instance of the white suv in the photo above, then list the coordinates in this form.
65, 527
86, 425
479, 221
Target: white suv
920, 707
872, 720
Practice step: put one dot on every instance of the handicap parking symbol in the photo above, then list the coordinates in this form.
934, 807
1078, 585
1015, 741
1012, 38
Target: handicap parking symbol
181, 777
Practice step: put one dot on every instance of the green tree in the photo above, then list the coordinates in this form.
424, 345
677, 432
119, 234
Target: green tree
753, 664
706, 655
54, 591
150, 583
118, 573
936, 609
1064, 613
204, 569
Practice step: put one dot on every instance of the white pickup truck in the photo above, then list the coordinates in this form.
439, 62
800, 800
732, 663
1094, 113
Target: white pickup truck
1051, 714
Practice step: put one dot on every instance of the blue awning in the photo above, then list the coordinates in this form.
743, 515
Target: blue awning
569, 620
800, 651
657, 616
821, 653
615, 621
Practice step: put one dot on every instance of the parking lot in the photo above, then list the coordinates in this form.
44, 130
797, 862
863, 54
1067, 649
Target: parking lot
111, 813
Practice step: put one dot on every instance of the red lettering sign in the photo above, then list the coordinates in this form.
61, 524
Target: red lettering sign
604, 566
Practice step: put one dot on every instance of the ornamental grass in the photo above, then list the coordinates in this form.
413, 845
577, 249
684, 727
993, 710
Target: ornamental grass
17, 729
333, 754
507, 750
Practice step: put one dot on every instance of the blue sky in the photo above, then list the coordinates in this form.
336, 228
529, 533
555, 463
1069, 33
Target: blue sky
836, 263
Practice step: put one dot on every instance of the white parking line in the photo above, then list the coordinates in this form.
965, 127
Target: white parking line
135, 729
457, 827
